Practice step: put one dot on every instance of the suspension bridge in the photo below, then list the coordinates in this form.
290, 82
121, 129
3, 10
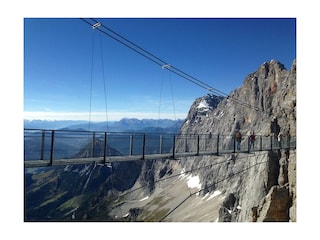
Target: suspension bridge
45, 148
49, 148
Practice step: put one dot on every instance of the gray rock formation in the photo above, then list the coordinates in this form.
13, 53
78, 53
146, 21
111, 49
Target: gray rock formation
234, 187
266, 190
260, 186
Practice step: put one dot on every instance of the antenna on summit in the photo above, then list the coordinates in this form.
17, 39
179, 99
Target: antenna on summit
98, 24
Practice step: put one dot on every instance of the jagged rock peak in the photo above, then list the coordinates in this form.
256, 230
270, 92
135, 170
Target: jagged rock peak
267, 69
201, 108
208, 102
274, 63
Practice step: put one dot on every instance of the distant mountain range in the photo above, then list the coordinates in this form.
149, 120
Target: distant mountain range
66, 145
123, 125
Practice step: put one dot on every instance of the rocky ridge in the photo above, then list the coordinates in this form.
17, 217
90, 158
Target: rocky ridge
252, 187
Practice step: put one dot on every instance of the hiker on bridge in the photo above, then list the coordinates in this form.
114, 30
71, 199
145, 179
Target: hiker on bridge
252, 139
238, 140
279, 140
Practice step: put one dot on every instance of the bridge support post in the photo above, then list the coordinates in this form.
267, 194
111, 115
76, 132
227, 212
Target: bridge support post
160, 144
198, 145
174, 146
42, 145
93, 143
131, 144
52, 148
105, 148
144, 146
186, 143
218, 140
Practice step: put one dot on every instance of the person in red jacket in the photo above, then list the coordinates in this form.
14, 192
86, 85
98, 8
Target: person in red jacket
252, 139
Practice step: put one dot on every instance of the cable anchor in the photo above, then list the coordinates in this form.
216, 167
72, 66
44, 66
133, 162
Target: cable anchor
98, 24
167, 66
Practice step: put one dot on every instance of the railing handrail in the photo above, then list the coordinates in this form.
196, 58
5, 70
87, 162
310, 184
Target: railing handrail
145, 144
150, 133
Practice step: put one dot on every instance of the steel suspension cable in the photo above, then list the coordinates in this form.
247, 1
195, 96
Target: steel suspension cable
162, 62
141, 51
172, 98
160, 101
91, 87
104, 84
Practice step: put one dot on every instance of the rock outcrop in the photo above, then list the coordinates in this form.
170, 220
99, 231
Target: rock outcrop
259, 186
265, 104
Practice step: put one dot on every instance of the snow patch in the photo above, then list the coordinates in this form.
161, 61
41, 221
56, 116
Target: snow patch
209, 196
144, 199
182, 174
194, 182
203, 104
205, 196
215, 193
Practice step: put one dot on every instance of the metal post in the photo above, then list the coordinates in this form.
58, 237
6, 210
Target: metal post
186, 143
218, 140
234, 143
260, 143
144, 146
249, 144
42, 145
105, 148
173, 146
160, 144
271, 141
93, 143
52, 147
131, 144
198, 147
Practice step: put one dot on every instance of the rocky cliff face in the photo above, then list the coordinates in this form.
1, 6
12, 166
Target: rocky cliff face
271, 93
259, 186
266, 190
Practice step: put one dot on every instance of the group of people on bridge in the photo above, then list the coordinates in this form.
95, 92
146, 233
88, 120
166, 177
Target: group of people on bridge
252, 139
239, 138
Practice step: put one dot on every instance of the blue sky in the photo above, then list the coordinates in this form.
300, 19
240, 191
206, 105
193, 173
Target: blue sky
62, 57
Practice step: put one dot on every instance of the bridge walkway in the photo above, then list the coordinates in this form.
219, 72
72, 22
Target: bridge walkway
45, 148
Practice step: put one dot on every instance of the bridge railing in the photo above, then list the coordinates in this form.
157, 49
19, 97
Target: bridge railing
48, 145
